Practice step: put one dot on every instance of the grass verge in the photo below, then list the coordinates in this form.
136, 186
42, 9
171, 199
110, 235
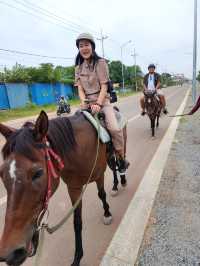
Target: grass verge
31, 109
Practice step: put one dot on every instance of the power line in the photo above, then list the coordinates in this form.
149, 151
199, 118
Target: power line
34, 15
48, 16
46, 12
70, 21
38, 55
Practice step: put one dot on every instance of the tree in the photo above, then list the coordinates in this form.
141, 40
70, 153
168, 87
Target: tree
45, 73
166, 79
132, 73
2, 77
115, 70
65, 74
198, 77
17, 74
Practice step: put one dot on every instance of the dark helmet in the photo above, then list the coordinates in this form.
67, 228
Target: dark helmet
151, 66
85, 36
62, 97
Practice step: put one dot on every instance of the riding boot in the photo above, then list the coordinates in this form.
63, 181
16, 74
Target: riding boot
165, 111
143, 112
122, 163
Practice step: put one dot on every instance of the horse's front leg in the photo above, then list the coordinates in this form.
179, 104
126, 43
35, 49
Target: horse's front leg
157, 123
102, 196
77, 228
153, 126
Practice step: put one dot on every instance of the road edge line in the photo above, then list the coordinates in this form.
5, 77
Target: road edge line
125, 244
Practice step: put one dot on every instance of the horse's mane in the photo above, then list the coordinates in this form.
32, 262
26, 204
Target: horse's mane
60, 135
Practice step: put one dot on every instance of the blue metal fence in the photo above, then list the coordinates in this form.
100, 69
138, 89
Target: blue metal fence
17, 94
42, 93
4, 103
62, 89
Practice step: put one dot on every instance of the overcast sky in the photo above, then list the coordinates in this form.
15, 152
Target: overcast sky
161, 31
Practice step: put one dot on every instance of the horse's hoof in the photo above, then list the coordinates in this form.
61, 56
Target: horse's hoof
124, 184
114, 193
107, 220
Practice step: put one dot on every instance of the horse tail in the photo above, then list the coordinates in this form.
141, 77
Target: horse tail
195, 108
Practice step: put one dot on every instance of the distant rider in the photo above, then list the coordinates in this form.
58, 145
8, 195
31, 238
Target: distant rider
152, 83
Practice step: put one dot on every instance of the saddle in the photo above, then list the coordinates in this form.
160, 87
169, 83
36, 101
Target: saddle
151, 94
103, 132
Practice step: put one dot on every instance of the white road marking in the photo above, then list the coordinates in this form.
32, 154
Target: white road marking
3, 200
126, 242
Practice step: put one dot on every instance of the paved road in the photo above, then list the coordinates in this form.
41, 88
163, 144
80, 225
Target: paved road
59, 248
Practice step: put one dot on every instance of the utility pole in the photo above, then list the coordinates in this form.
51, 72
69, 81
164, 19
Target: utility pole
122, 46
134, 55
102, 42
194, 54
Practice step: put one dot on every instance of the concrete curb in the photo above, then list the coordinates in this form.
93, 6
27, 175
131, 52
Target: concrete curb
124, 247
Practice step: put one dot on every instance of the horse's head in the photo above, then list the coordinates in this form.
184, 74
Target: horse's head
24, 175
149, 95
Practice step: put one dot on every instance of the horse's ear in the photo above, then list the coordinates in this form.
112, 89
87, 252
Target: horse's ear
41, 126
6, 131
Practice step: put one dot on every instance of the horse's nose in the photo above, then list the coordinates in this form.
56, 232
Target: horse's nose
16, 257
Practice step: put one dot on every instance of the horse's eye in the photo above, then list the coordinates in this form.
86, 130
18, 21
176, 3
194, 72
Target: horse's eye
37, 174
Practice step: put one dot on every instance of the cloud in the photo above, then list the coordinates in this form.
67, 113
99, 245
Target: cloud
161, 31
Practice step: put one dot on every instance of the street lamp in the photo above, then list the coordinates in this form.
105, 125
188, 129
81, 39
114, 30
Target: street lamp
194, 53
134, 56
122, 46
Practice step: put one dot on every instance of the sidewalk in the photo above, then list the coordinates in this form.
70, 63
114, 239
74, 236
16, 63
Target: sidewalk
172, 236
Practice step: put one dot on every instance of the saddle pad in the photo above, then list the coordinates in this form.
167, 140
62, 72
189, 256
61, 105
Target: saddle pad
103, 133
122, 122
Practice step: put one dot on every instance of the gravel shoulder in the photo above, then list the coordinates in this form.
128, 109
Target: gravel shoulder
172, 236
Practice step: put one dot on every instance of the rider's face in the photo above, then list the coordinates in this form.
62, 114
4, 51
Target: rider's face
151, 70
85, 49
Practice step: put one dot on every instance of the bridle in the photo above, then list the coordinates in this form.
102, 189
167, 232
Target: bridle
52, 173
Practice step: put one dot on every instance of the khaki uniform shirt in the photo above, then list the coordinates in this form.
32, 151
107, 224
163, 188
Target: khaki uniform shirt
91, 78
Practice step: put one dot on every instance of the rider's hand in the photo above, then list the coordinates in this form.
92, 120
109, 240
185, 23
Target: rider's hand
84, 105
96, 108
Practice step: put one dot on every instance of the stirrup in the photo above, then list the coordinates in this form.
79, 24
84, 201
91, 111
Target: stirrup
165, 111
122, 164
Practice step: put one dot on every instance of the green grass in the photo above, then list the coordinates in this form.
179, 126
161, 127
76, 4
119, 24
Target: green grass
183, 120
31, 109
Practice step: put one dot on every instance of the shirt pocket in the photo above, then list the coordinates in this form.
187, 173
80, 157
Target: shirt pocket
93, 81
84, 80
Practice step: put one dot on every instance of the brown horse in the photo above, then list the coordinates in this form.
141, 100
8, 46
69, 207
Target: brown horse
28, 180
153, 107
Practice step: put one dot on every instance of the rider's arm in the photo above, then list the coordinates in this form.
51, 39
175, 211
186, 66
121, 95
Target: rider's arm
81, 94
144, 82
158, 83
144, 88
103, 77
103, 93
77, 84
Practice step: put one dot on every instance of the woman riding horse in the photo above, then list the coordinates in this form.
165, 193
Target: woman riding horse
91, 78
37, 154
